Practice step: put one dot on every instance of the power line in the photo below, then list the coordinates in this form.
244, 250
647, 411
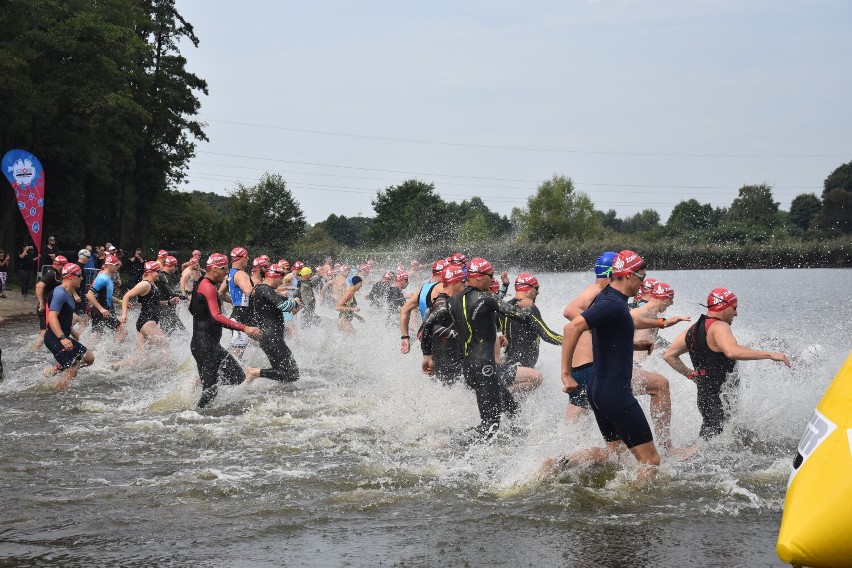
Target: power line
576, 182
523, 148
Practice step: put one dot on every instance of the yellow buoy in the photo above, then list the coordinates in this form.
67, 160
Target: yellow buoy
816, 529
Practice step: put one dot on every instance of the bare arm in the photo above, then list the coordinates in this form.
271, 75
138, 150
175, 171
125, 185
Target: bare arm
570, 337
673, 355
405, 319
725, 342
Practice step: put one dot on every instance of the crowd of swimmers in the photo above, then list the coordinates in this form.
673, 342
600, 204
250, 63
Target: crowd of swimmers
467, 329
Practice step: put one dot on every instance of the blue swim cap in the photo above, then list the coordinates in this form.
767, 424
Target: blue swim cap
356, 280
603, 265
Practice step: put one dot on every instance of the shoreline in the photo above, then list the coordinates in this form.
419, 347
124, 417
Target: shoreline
14, 307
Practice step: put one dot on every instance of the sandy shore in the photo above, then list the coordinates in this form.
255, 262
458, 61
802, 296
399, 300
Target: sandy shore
14, 306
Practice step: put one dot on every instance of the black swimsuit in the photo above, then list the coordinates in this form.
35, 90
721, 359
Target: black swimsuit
150, 307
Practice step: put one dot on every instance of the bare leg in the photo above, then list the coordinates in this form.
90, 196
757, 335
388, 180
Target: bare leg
649, 461
657, 386
526, 379
574, 413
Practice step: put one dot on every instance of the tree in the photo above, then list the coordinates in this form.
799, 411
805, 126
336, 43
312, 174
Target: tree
690, 215
611, 221
349, 231
475, 221
168, 93
556, 211
803, 209
646, 220
411, 210
755, 206
841, 178
836, 214
266, 215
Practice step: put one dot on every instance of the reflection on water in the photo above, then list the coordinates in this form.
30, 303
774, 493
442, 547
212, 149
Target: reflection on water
352, 466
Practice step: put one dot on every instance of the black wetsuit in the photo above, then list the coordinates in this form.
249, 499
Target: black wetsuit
149, 307
395, 301
474, 316
266, 309
713, 369
309, 301
442, 343
524, 337
50, 279
378, 295
169, 320
212, 359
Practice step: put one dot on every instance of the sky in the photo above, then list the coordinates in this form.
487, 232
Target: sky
642, 104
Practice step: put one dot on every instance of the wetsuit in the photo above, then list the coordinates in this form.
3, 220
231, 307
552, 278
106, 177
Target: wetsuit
212, 359
378, 294
240, 301
617, 411
524, 337
309, 301
396, 300
149, 307
474, 316
50, 280
103, 287
443, 345
62, 303
266, 308
169, 320
712, 368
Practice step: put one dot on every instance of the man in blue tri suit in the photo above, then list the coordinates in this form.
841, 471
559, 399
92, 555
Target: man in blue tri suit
620, 418
100, 296
59, 338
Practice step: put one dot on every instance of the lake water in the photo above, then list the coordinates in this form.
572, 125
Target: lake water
348, 467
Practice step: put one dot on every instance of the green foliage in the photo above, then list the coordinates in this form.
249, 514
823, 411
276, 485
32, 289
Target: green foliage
643, 221
754, 205
836, 215
266, 215
690, 215
803, 209
840, 178
556, 211
316, 243
475, 222
411, 211
611, 221
349, 231
186, 221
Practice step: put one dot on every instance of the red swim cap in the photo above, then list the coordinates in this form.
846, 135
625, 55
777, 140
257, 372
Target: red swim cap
480, 266
60, 260
170, 261
495, 287
662, 291
387, 275
111, 260
217, 260
458, 259
259, 262
401, 275
720, 299
162, 253
70, 270
438, 266
284, 262
238, 252
196, 253
152, 266
453, 274
525, 282
626, 263
276, 271
298, 265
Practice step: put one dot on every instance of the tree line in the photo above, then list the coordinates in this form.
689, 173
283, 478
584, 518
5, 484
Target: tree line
99, 91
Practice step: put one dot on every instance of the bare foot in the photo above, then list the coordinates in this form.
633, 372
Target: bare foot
51, 371
251, 374
683, 454
551, 467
